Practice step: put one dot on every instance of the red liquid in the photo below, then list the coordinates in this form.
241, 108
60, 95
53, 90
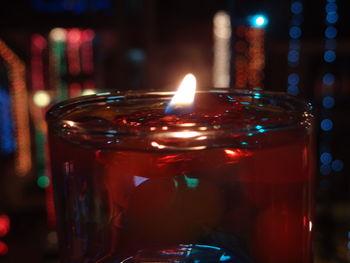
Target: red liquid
253, 202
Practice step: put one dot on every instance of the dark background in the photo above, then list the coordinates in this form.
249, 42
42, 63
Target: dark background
149, 44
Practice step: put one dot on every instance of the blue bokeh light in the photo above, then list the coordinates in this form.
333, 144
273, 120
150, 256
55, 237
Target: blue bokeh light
326, 158
329, 56
337, 165
295, 32
293, 56
293, 90
328, 79
296, 7
328, 102
136, 55
326, 124
258, 20
7, 140
293, 79
331, 7
325, 169
330, 32
332, 17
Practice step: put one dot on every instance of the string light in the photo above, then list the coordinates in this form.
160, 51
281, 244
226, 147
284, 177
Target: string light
19, 97
295, 33
4, 230
70, 53
256, 39
41, 99
7, 140
222, 54
250, 53
58, 37
87, 60
241, 57
74, 40
327, 164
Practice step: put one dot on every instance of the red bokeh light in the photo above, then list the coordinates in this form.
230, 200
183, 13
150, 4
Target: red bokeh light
3, 248
4, 225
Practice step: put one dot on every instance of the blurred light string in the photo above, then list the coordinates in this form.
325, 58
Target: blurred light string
250, 53
295, 33
40, 101
327, 162
87, 61
256, 50
256, 64
19, 99
57, 61
70, 55
241, 57
74, 41
7, 139
222, 53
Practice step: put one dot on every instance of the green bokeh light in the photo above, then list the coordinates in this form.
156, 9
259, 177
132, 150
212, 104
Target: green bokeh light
43, 181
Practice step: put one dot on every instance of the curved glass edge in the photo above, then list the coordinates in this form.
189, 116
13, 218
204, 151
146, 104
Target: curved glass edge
59, 125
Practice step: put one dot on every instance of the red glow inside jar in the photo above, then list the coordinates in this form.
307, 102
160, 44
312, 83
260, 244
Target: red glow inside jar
232, 174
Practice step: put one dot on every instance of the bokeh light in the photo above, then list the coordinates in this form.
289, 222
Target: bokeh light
326, 158
58, 34
326, 124
3, 248
330, 32
293, 79
328, 102
258, 20
43, 181
329, 56
295, 32
41, 98
4, 225
293, 56
296, 7
337, 165
328, 79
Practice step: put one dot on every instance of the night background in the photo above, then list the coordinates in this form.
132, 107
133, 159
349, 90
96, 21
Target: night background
51, 50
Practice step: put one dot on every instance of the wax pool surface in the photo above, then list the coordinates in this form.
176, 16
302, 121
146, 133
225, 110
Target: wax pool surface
248, 201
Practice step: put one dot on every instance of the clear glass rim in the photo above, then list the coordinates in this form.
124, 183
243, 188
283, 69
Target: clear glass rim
55, 115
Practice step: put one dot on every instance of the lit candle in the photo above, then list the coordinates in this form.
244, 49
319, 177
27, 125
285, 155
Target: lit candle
182, 101
202, 176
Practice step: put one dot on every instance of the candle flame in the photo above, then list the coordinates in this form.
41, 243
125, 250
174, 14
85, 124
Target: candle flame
184, 96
